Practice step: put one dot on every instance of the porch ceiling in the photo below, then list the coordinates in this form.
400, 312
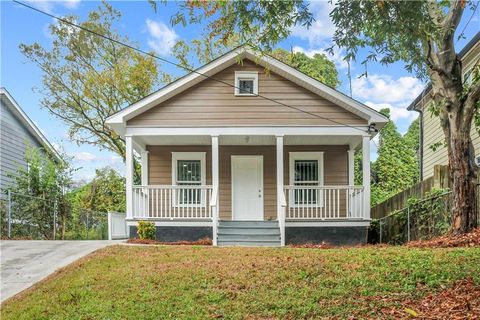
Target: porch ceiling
253, 140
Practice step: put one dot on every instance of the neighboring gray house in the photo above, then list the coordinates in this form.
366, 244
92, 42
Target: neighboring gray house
17, 132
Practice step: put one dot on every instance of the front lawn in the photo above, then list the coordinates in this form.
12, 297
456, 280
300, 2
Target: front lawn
194, 282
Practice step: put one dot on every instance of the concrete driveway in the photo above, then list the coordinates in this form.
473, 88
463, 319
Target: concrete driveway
24, 263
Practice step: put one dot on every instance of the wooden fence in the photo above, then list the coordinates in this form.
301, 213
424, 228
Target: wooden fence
439, 180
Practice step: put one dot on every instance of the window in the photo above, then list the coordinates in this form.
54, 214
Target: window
246, 83
306, 169
188, 169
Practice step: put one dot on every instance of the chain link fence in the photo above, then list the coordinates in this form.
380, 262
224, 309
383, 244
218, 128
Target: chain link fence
28, 217
419, 220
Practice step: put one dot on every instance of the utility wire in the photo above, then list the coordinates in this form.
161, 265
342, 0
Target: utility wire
468, 22
177, 64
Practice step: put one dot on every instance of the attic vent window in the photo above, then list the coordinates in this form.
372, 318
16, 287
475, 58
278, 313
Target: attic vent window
246, 83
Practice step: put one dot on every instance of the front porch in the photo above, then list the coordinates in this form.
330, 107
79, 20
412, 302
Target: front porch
302, 184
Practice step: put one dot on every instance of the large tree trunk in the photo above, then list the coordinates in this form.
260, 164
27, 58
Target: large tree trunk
463, 179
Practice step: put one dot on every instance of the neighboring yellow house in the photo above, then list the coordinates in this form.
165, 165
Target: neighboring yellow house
431, 133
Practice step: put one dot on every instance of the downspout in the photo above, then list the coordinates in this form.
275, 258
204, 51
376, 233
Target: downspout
420, 163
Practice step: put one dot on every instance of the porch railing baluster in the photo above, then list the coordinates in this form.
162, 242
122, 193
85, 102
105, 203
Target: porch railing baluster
324, 202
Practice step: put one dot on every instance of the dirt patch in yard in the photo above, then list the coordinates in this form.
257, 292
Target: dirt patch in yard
461, 301
201, 242
471, 239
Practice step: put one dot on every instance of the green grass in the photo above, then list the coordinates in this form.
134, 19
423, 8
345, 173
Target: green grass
188, 282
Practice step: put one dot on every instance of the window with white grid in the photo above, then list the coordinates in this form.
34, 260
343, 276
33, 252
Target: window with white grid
306, 169
188, 169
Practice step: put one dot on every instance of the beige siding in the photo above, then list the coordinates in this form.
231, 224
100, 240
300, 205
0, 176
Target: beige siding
433, 133
213, 103
335, 170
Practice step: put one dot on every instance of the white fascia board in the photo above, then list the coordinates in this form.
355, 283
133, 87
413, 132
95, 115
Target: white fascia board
266, 131
32, 128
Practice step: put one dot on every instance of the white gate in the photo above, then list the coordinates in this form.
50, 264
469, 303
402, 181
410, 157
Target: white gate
117, 226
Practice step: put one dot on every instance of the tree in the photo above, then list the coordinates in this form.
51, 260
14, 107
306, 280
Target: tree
422, 34
91, 202
260, 23
87, 78
396, 166
106, 192
318, 67
38, 194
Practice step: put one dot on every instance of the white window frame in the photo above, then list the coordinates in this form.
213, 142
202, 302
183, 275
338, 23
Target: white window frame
246, 75
307, 155
176, 156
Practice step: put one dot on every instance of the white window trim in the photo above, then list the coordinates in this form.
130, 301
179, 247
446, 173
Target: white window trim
246, 75
203, 167
307, 155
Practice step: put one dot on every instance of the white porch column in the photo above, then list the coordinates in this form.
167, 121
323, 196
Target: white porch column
129, 175
144, 157
351, 167
366, 175
215, 183
280, 203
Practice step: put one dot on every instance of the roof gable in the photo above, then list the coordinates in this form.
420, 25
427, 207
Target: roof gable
214, 103
118, 120
28, 124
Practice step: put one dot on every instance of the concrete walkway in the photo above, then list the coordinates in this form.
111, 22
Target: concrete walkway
24, 263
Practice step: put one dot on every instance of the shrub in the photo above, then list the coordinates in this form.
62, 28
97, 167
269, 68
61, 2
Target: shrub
146, 230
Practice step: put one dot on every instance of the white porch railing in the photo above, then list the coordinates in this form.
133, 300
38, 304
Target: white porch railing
324, 202
173, 202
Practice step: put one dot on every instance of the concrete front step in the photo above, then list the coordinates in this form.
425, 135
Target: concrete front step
249, 243
248, 233
252, 231
251, 237
248, 224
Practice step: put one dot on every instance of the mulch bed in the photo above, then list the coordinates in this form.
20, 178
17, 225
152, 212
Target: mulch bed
323, 245
471, 239
461, 301
201, 242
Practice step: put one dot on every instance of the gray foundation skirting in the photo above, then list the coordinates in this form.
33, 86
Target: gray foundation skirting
173, 233
338, 236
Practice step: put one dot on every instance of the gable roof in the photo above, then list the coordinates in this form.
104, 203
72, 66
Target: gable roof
468, 47
119, 119
29, 125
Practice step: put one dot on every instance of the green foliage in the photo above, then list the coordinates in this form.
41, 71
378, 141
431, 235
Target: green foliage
91, 202
318, 67
430, 217
87, 78
146, 230
38, 191
261, 24
393, 31
396, 167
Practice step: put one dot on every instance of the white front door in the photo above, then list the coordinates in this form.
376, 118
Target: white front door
247, 187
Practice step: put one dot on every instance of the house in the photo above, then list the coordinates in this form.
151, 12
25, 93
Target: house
17, 133
247, 150
432, 148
